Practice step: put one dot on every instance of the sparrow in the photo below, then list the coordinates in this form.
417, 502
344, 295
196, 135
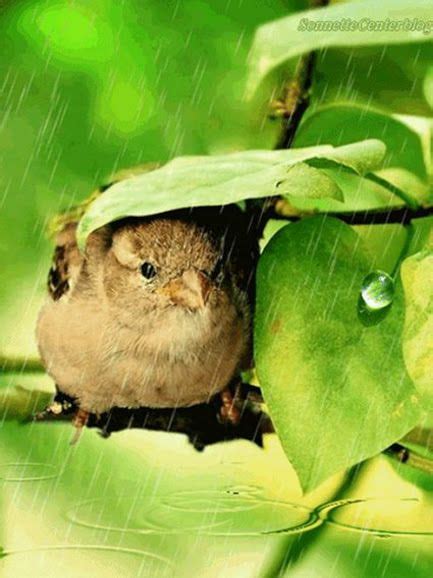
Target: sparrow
156, 312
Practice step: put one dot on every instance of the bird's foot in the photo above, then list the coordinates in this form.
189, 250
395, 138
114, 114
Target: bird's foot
60, 406
229, 413
79, 420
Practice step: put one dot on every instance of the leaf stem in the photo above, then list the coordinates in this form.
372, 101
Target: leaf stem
407, 199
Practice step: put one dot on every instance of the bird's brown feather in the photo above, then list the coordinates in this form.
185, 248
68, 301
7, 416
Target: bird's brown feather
66, 264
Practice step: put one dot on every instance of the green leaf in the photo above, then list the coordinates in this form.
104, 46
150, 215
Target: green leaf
408, 198
302, 178
280, 40
390, 79
385, 244
421, 235
360, 194
358, 157
407, 156
224, 179
417, 278
428, 86
340, 124
412, 186
337, 391
423, 128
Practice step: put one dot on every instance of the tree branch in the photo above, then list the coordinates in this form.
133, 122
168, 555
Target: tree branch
404, 455
402, 216
20, 365
200, 423
292, 106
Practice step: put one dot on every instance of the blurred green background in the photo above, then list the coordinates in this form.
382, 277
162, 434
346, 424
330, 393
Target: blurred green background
90, 87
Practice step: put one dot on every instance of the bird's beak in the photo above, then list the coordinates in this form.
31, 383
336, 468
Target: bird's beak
191, 290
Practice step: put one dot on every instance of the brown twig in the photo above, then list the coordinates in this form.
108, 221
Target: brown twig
201, 423
295, 101
399, 215
292, 106
409, 457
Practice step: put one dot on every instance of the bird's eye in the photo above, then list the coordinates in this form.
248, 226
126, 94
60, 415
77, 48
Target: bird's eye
148, 270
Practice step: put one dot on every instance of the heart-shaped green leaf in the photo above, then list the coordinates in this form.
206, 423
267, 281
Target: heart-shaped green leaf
220, 180
338, 391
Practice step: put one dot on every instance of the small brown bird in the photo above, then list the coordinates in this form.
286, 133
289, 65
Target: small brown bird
156, 312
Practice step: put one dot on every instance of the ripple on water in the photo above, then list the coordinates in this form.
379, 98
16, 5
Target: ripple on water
84, 561
381, 516
27, 472
122, 513
243, 489
235, 510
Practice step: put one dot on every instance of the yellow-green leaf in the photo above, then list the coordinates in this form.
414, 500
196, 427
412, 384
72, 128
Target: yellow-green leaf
417, 278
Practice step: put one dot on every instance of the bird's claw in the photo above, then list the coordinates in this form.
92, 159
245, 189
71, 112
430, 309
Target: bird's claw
55, 409
80, 419
62, 407
229, 413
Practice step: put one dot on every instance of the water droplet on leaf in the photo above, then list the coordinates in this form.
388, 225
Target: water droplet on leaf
375, 299
377, 290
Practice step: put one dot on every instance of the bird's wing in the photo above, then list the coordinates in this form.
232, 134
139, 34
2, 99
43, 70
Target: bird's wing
67, 261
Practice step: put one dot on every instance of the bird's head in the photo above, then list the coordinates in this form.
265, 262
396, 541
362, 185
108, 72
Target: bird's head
161, 264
